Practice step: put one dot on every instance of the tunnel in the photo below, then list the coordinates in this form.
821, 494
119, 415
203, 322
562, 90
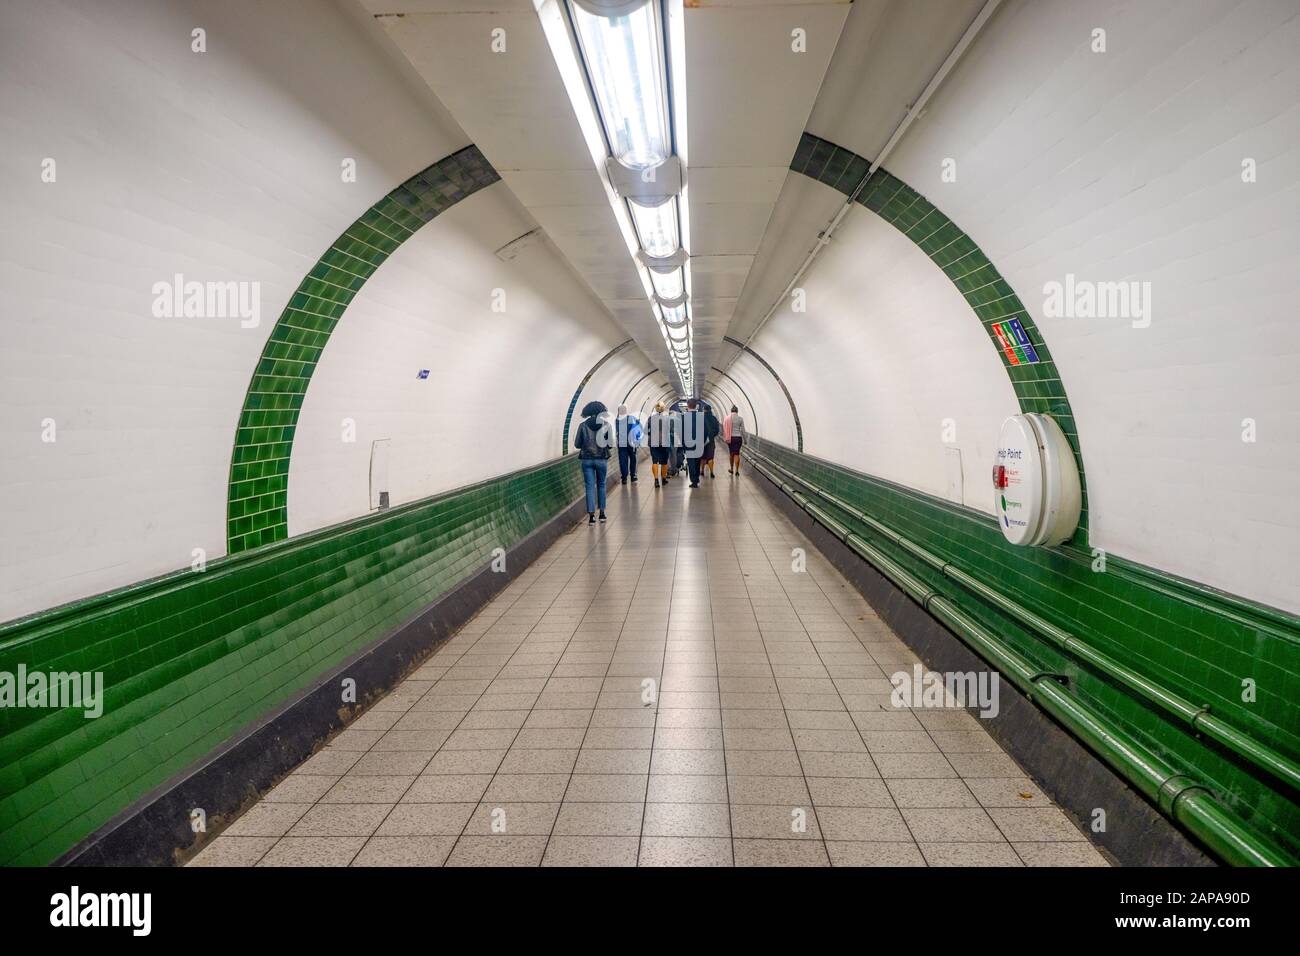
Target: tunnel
643, 433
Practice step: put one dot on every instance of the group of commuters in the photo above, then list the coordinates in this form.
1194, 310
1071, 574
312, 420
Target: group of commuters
675, 440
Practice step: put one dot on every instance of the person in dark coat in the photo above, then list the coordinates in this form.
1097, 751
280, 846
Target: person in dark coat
711, 428
693, 439
594, 439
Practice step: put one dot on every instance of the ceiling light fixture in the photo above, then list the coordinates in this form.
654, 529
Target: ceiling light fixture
616, 58
668, 285
623, 53
656, 227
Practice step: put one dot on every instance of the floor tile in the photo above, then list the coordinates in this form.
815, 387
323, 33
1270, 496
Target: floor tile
405, 851
685, 851
564, 850
860, 853
780, 853
599, 819
313, 851
233, 851
687, 820
498, 851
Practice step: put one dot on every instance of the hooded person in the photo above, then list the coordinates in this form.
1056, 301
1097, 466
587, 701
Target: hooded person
627, 430
593, 441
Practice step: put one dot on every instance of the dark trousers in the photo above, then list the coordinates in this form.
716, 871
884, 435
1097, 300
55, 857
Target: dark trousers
693, 468
626, 461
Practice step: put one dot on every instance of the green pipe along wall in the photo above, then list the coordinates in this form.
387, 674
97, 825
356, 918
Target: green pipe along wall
297, 336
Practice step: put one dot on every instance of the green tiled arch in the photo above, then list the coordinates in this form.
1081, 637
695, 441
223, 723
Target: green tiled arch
257, 504
1038, 386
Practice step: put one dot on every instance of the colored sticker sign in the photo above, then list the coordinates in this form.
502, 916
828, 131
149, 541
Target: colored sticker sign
1005, 343
1022, 339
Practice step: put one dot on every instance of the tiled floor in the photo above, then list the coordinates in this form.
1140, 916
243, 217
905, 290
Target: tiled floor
664, 689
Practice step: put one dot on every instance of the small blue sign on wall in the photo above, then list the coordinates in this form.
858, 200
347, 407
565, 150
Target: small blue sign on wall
422, 374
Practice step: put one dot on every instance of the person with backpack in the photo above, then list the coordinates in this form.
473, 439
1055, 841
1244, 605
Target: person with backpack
593, 441
627, 429
711, 429
733, 433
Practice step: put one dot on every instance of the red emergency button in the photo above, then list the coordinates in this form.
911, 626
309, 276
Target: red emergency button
999, 476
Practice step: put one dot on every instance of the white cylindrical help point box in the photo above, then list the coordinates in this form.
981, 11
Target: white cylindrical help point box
1036, 482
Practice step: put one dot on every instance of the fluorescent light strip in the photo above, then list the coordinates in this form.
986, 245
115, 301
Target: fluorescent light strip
657, 227
556, 28
675, 28
668, 285
624, 66
675, 315
637, 144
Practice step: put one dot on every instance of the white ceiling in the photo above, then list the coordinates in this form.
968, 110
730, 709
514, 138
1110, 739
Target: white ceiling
888, 51
749, 97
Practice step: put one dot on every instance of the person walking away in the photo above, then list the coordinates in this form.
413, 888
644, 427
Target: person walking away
675, 448
693, 439
593, 441
711, 430
659, 438
627, 428
733, 433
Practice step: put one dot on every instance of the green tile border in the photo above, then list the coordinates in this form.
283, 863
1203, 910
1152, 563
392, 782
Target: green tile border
257, 500
1038, 385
